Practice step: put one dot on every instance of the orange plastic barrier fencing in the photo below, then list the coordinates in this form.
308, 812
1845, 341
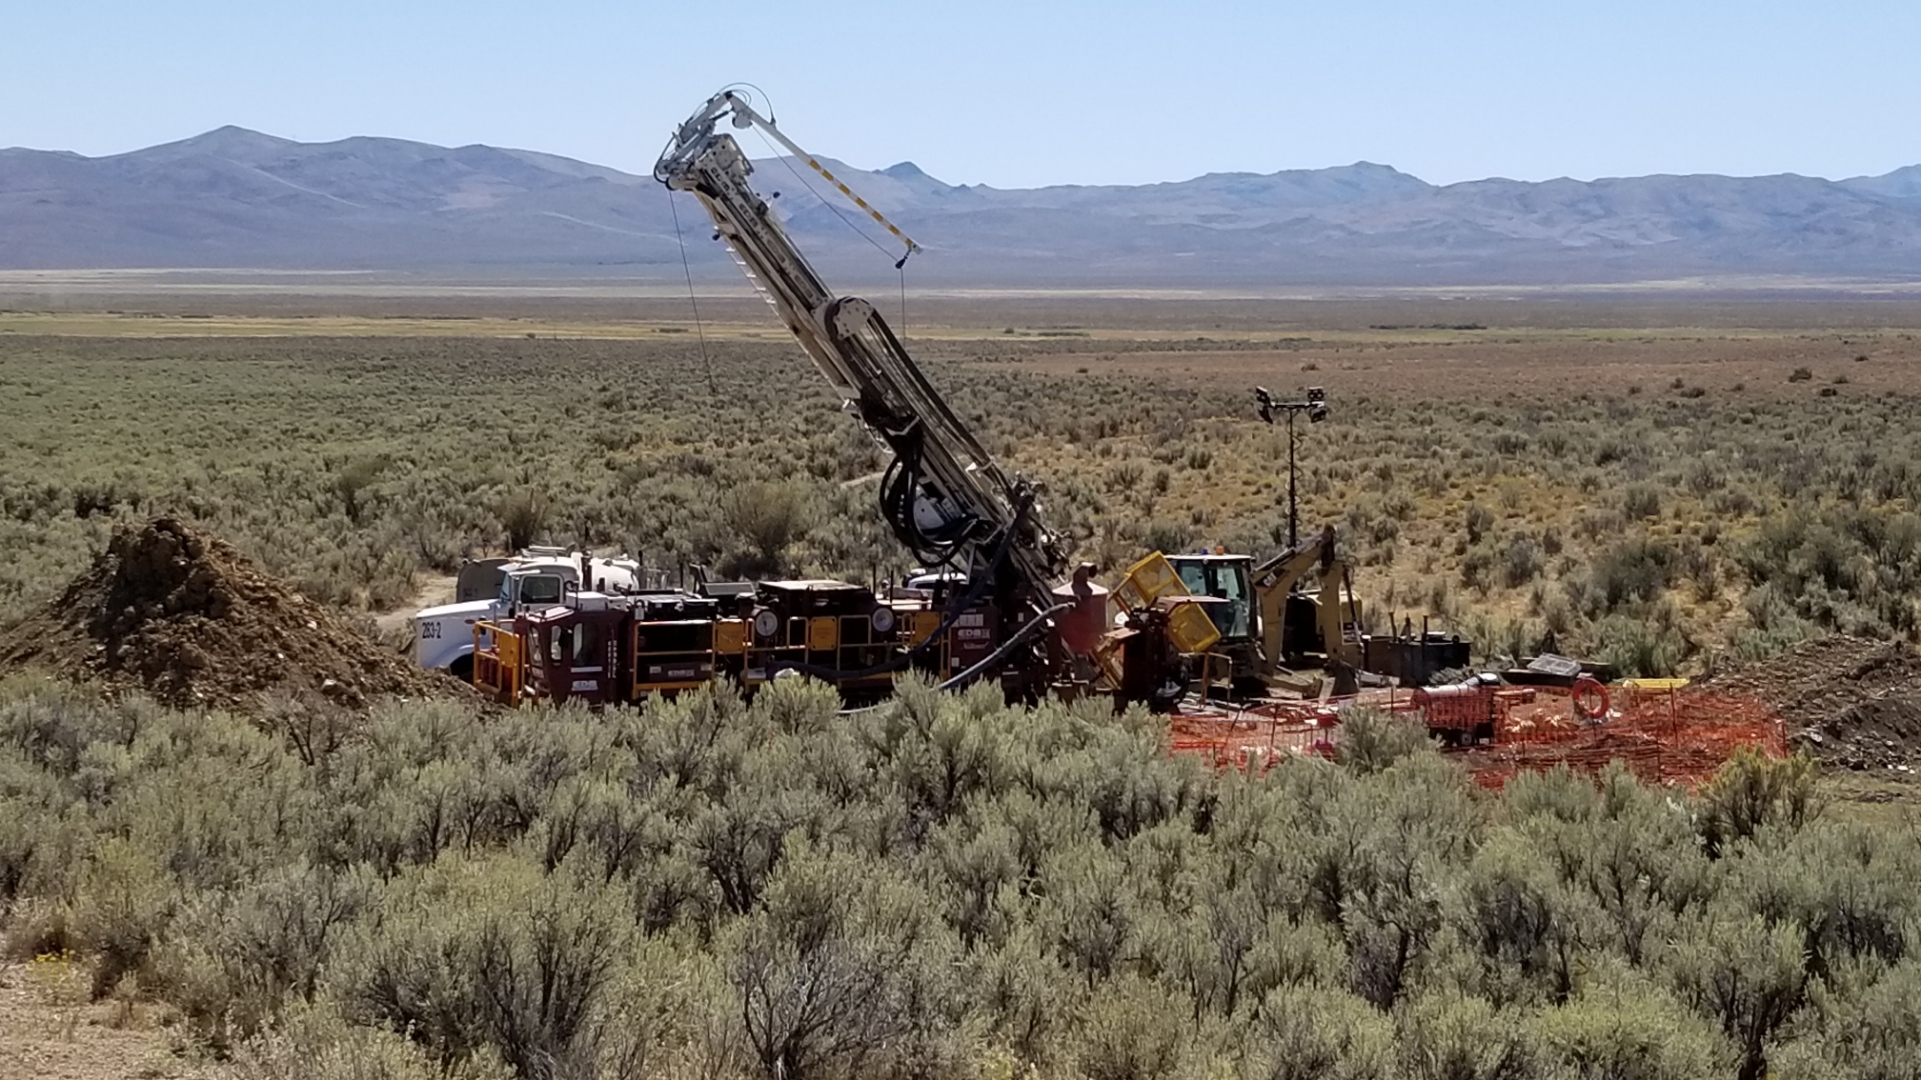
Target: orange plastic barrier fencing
1678, 736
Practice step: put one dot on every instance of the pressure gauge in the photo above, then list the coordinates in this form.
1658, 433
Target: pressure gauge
883, 620
766, 621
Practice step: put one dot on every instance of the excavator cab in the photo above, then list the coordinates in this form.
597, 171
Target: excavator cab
1224, 577
1289, 610
1230, 580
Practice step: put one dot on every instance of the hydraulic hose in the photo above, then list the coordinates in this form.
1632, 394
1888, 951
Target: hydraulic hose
956, 608
1007, 646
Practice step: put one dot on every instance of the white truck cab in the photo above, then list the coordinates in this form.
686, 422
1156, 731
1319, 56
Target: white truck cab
539, 578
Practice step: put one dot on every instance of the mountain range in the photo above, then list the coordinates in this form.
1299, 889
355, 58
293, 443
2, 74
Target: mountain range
234, 198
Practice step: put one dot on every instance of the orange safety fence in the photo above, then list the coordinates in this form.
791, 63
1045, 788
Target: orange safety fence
1669, 736
1259, 735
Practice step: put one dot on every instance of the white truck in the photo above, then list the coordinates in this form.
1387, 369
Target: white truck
492, 589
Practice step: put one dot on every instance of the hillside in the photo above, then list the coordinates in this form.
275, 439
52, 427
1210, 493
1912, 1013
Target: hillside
238, 198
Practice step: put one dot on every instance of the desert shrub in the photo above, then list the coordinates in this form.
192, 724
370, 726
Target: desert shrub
1372, 740
1165, 536
523, 516
1620, 1025
1479, 519
844, 972
235, 959
469, 955
1633, 855
1873, 1033
1525, 930
1745, 975
1445, 1037
718, 886
42, 831
318, 1043
1510, 442
1022, 996
1841, 568
1752, 792
1308, 1033
1637, 647
1641, 502
763, 519
354, 479
1131, 1032
1091, 913
1478, 567
1125, 477
1387, 896
1521, 563
1632, 571
124, 904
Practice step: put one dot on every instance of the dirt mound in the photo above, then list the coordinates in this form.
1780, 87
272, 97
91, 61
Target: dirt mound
1853, 702
188, 619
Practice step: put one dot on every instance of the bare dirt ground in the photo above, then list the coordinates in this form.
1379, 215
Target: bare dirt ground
1534, 364
1852, 702
48, 1031
433, 591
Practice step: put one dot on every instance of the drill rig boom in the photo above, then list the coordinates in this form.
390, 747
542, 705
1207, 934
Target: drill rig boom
943, 495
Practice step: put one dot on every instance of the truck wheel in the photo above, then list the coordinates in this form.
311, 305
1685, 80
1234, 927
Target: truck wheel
462, 669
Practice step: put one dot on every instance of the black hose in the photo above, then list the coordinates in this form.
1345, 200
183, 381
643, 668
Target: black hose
899, 491
956, 608
997, 655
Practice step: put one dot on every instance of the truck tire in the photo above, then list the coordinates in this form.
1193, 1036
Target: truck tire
462, 669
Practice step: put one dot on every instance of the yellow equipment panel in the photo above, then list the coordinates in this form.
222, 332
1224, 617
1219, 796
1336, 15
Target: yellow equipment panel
1190, 629
1148, 581
921, 626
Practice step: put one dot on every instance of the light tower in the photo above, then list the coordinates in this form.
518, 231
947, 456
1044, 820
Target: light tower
1315, 406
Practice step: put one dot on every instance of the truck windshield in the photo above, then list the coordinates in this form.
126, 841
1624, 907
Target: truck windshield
540, 589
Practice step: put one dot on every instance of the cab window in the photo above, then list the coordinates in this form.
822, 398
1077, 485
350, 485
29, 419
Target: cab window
1233, 588
540, 589
1194, 576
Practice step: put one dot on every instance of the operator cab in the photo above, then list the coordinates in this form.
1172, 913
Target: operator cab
535, 587
1227, 578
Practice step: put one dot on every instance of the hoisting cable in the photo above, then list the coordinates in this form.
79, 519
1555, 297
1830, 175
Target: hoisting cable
787, 160
767, 126
687, 268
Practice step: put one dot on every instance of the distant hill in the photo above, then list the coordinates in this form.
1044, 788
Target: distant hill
239, 198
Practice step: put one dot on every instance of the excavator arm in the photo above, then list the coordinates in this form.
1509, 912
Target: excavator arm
1275, 580
943, 495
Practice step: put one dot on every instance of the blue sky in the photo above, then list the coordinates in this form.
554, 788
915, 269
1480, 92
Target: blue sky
1010, 94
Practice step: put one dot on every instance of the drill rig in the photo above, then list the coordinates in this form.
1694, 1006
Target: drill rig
942, 495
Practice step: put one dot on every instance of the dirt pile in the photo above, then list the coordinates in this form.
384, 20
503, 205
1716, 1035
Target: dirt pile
1852, 702
183, 616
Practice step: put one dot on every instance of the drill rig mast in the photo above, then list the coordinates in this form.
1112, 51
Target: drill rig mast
943, 495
